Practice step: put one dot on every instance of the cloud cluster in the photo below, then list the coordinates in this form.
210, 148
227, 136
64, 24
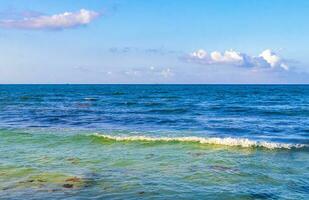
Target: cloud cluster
151, 71
148, 51
267, 59
52, 22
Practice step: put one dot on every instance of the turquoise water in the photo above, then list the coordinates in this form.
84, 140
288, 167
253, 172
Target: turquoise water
154, 142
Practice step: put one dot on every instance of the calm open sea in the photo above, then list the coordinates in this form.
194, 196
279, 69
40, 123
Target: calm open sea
154, 141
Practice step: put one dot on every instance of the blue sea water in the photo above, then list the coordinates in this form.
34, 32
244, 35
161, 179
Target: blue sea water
154, 141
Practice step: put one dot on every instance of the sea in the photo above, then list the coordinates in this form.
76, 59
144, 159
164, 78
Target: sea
154, 141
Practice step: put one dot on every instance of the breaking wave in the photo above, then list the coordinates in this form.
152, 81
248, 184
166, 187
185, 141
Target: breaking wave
229, 141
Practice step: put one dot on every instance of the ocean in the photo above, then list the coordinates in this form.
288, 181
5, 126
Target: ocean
154, 141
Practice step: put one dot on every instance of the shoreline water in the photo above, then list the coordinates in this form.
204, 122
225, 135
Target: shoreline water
154, 142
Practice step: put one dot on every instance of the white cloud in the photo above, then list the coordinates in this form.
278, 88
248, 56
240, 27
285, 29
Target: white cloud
54, 22
167, 73
267, 59
273, 60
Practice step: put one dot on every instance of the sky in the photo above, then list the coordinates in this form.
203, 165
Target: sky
154, 41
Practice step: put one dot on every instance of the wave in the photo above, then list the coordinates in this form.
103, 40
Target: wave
91, 99
235, 142
227, 141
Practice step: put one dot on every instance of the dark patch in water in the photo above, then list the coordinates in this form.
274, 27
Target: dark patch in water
301, 186
73, 160
263, 196
197, 154
91, 179
67, 185
118, 93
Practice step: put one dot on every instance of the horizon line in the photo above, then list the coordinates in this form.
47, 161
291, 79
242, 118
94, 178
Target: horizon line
154, 84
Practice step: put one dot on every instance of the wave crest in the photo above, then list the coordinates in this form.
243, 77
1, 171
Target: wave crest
236, 142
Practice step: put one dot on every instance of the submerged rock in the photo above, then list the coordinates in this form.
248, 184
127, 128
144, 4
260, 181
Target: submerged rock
67, 185
73, 179
73, 160
49, 181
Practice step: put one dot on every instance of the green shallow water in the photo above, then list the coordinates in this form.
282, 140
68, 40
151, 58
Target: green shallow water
45, 164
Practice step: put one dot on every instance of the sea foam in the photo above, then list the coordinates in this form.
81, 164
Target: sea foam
228, 141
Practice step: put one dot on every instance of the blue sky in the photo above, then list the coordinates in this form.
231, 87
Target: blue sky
155, 41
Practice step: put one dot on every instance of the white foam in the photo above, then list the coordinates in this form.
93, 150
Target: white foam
241, 142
